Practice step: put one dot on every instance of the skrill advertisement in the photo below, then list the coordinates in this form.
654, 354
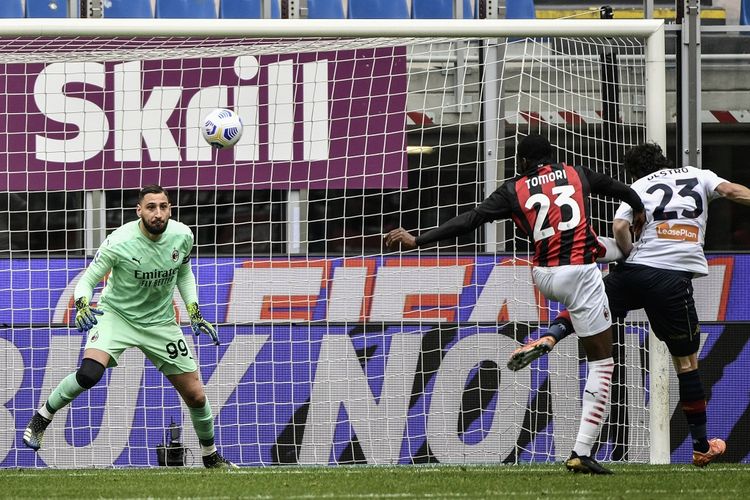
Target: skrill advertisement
375, 360
312, 120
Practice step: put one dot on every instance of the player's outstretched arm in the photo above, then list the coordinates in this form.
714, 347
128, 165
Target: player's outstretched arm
607, 186
401, 237
199, 324
734, 192
461, 224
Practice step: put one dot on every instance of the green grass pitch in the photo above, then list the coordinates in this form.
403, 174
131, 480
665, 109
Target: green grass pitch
509, 481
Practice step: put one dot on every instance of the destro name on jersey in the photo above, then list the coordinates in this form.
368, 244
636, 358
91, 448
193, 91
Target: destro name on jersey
666, 172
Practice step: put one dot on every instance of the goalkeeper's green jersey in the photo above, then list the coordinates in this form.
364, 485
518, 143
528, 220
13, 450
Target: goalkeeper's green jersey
142, 273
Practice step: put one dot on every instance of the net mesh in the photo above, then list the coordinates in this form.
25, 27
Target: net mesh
333, 350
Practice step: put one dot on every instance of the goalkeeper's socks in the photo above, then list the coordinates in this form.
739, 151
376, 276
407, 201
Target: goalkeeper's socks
46, 412
65, 392
207, 450
203, 423
693, 403
595, 397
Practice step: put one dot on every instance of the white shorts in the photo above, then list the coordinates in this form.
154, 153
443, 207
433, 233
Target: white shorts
580, 289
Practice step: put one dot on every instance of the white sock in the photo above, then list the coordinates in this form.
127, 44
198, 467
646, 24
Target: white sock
43, 411
207, 450
594, 410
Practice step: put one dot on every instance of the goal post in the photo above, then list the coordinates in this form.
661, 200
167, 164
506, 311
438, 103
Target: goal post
314, 28
333, 350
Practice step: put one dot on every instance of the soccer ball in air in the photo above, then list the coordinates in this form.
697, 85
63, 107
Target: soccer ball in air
222, 128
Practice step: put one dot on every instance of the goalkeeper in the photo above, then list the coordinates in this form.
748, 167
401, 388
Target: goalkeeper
146, 258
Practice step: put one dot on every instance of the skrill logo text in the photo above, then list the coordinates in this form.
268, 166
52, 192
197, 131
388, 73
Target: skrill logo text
152, 111
313, 120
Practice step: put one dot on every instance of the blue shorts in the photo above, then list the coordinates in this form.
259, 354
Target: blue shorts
667, 298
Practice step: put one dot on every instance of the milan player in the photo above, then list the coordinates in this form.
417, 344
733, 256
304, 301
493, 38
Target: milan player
657, 275
549, 202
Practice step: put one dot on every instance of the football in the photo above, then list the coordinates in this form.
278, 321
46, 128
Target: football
222, 128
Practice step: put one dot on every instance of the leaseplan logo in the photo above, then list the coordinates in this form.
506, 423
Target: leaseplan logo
680, 232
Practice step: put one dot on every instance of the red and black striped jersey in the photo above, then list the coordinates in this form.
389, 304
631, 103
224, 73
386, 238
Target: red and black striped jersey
550, 204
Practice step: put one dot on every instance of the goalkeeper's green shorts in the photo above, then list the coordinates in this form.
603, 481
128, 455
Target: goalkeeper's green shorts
163, 344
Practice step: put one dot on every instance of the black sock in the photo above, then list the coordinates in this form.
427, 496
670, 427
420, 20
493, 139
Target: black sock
49, 409
693, 403
559, 329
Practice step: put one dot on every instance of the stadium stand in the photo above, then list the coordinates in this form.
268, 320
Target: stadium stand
186, 9
246, 9
520, 9
325, 9
128, 9
378, 9
710, 15
11, 8
47, 8
438, 9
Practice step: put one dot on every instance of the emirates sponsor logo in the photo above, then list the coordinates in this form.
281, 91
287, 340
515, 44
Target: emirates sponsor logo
679, 232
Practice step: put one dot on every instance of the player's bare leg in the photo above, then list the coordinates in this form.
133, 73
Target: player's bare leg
191, 390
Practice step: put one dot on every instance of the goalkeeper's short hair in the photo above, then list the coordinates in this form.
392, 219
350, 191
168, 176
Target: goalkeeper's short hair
152, 189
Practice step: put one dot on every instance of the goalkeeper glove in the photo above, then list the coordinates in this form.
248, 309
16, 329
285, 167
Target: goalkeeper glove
85, 314
200, 325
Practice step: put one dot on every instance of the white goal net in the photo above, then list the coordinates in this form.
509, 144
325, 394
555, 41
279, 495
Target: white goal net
333, 350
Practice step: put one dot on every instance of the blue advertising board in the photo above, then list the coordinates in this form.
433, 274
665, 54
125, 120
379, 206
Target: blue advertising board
366, 360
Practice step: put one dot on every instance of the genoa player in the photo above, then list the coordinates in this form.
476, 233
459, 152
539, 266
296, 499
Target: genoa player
147, 258
549, 202
657, 275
